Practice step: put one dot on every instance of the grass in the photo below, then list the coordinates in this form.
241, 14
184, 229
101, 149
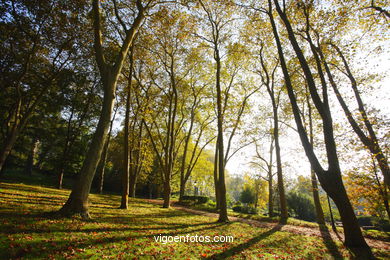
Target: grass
377, 234
291, 221
210, 207
129, 234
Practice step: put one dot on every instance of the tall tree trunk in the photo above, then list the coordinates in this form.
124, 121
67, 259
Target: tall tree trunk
136, 169
101, 168
65, 151
270, 193
182, 189
184, 159
223, 216
282, 195
132, 185
316, 197
167, 193
216, 185
126, 173
31, 156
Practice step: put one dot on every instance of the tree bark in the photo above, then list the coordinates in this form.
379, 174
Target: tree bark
167, 193
216, 185
282, 195
215, 171
270, 195
31, 156
101, 168
65, 151
185, 150
132, 185
316, 197
8, 145
331, 215
223, 216
126, 173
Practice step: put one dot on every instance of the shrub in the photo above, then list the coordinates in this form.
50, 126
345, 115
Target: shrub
247, 195
237, 208
196, 199
203, 199
245, 209
378, 223
364, 220
382, 224
301, 205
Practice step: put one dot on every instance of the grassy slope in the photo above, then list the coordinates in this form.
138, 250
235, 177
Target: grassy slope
116, 233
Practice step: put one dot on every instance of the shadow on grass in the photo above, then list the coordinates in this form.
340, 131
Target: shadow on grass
329, 243
62, 246
10, 230
241, 247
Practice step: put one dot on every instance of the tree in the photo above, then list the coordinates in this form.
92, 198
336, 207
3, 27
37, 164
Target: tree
216, 36
167, 71
268, 79
101, 168
330, 179
80, 97
216, 23
126, 173
199, 119
268, 168
77, 202
247, 195
32, 60
370, 140
315, 190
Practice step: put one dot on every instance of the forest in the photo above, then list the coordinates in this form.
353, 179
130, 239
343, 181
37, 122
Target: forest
128, 121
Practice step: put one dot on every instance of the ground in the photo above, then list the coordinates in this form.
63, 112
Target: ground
130, 234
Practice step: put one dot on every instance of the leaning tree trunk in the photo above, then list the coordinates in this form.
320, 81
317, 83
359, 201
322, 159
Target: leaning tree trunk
7, 146
353, 235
